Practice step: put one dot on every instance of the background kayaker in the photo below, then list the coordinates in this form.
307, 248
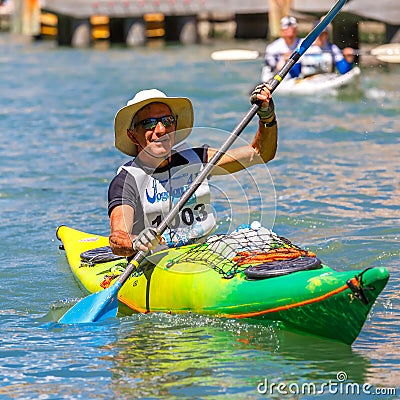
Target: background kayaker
152, 128
324, 56
278, 52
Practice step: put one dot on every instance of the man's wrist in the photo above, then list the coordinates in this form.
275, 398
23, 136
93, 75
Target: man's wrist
269, 117
267, 112
268, 122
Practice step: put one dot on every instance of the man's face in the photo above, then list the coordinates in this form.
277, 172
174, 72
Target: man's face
322, 38
289, 33
154, 141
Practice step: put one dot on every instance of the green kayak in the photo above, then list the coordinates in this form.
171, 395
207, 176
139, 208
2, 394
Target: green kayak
247, 274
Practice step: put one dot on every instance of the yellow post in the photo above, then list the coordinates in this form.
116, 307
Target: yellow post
277, 10
26, 17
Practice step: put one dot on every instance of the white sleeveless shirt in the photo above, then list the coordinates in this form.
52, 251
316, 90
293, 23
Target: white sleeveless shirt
160, 191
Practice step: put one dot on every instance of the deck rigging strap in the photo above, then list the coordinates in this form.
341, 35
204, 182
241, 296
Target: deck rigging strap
260, 253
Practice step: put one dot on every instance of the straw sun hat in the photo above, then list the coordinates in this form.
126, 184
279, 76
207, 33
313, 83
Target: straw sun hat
181, 108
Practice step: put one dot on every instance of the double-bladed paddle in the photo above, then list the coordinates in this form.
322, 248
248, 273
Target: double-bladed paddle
104, 304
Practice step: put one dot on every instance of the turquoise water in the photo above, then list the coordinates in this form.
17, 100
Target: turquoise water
336, 182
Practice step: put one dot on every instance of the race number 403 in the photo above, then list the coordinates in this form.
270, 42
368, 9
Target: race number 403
187, 215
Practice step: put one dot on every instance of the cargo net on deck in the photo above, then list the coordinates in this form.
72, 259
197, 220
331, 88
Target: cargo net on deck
257, 251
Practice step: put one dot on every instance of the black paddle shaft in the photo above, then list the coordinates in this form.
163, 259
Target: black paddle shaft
224, 148
276, 80
208, 168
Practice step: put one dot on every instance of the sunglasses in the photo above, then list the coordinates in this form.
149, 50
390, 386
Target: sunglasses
151, 123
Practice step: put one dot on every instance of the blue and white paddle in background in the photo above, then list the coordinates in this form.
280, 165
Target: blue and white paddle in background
104, 304
388, 53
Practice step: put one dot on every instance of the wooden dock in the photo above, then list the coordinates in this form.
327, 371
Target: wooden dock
133, 22
137, 8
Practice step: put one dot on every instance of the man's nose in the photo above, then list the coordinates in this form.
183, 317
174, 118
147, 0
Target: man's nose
160, 128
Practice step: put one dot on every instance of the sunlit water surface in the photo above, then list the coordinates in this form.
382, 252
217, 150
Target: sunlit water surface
336, 182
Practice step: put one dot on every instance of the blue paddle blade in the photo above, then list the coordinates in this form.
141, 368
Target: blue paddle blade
96, 307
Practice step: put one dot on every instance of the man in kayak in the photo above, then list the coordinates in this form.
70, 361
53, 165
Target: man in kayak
278, 52
149, 128
324, 57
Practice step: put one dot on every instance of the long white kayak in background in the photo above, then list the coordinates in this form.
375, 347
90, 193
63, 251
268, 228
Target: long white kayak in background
320, 83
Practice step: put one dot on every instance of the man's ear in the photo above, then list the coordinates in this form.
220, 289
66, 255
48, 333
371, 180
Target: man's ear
131, 135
